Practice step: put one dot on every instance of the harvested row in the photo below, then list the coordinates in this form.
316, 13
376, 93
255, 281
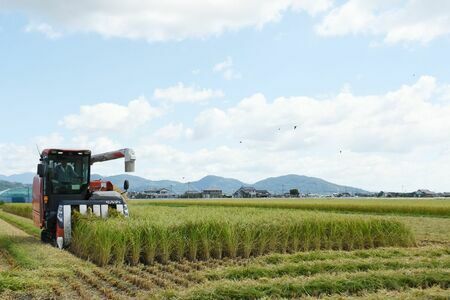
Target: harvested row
434, 292
329, 266
317, 286
201, 233
429, 207
177, 276
435, 252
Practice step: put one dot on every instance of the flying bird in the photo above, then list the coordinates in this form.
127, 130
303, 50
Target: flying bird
295, 127
240, 142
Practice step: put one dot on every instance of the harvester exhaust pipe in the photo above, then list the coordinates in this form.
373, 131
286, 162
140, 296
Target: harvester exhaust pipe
127, 153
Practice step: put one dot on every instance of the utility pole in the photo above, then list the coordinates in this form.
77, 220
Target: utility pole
282, 190
189, 189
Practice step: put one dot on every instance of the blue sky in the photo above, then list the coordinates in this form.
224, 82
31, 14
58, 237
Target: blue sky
220, 74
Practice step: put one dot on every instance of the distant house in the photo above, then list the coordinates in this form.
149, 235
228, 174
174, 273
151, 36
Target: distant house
212, 193
342, 195
245, 192
159, 193
263, 194
424, 193
192, 194
250, 192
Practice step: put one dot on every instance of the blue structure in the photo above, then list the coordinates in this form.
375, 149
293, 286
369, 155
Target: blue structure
16, 195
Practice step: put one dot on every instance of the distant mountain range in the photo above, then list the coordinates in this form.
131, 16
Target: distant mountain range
276, 185
4, 185
26, 178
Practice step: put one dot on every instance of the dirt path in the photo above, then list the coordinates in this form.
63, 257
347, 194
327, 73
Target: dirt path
7, 229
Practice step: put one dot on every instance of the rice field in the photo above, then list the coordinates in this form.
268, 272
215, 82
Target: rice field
437, 207
177, 252
20, 209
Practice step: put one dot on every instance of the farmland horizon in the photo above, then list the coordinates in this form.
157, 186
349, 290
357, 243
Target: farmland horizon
274, 184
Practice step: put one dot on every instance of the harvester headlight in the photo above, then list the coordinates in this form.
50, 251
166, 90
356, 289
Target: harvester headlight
125, 210
60, 214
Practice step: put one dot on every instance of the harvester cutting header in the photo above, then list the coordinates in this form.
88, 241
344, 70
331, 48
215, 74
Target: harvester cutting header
62, 185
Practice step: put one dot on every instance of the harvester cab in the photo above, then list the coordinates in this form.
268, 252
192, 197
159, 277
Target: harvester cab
62, 185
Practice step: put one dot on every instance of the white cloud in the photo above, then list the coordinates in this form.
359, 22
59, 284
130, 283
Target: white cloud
397, 21
160, 20
43, 28
112, 117
96, 145
392, 122
186, 94
172, 131
53, 140
226, 69
17, 158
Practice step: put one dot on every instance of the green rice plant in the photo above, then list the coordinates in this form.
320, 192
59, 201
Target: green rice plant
193, 234
164, 248
231, 242
101, 249
134, 242
262, 239
246, 239
178, 243
205, 240
120, 245
149, 242
216, 234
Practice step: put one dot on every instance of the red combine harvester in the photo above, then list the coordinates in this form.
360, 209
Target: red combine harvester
62, 185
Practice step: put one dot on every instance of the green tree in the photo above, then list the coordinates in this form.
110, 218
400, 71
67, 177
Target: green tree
294, 192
